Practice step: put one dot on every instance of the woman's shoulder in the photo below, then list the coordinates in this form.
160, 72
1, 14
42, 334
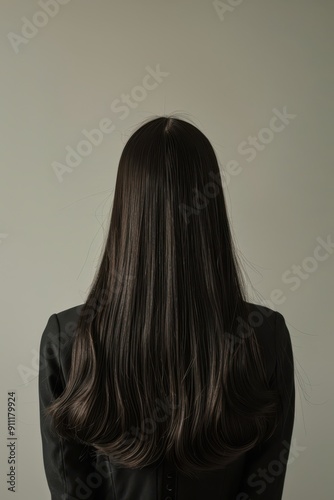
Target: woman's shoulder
69, 315
267, 321
259, 315
57, 339
271, 332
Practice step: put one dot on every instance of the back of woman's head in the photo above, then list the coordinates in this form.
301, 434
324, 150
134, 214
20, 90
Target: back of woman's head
159, 364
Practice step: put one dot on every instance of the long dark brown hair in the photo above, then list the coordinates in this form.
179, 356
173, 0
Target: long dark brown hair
159, 364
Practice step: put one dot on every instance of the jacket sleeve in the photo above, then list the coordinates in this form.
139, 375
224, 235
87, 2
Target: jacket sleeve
71, 470
266, 464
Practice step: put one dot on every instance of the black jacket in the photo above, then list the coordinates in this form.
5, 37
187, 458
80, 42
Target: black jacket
72, 472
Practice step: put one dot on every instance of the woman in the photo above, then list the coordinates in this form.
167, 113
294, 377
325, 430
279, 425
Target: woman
166, 383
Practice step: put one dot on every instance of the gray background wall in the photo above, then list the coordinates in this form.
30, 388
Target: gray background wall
230, 70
